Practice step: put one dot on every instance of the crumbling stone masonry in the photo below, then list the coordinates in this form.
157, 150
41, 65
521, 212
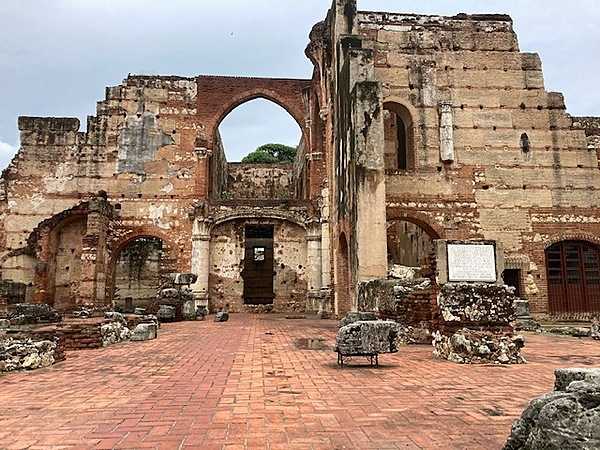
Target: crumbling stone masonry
414, 128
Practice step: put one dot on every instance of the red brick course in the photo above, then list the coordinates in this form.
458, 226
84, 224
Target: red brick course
244, 384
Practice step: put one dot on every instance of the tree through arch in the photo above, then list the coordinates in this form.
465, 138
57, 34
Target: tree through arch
256, 122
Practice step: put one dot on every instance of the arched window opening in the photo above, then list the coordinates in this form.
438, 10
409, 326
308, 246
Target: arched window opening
343, 291
409, 245
256, 123
573, 271
138, 273
398, 137
257, 144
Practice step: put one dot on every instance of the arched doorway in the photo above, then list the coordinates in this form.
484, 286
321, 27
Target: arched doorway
398, 137
137, 273
573, 271
408, 243
343, 288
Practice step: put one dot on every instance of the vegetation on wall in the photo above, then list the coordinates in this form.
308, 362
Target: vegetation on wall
271, 154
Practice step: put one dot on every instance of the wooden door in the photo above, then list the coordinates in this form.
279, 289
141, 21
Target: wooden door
258, 265
573, 269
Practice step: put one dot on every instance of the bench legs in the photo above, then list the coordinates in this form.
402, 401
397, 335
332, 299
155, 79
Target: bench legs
373, 358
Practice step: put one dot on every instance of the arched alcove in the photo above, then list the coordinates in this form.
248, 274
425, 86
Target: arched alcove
137, 273
398, 137
408, 243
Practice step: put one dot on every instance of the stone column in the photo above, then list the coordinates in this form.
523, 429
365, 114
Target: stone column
446, 132
325, 243
201, 260
92, 287
313, 254
202, 170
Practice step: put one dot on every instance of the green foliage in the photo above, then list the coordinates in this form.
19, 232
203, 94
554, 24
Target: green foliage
271, 154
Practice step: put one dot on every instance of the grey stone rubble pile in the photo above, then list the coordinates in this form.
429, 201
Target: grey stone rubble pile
566, 419
406, 334
523, 319
222, 316
177, 294
116, 329
25, 354
31, 314
476, 325
368, 337
478, 347
595, 330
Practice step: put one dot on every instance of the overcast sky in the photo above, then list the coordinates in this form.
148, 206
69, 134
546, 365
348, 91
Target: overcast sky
56, 56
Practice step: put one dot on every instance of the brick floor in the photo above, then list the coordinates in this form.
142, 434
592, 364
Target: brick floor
245, 385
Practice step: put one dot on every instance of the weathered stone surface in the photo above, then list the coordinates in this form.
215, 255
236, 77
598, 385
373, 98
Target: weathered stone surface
595, 329
222, 316
113, 333
189, 310
4, 324
115, 317
166, 313
368, 337
19, 354
405, 273
184, 279
144, 332
477, 303
564, 377
357, 316
569, 331
478, 347
24, 313
140, 311
567, 419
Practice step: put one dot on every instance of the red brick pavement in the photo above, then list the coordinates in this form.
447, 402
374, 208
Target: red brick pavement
245, 385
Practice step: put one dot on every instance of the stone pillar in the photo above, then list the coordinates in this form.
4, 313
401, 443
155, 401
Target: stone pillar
202, 169
92, 286
201, 260
325, 243
446, 132
314, 260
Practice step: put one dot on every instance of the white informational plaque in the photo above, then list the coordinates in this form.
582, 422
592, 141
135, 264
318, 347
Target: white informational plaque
472, 262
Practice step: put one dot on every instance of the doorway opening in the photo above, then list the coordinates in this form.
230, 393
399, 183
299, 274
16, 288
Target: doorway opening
258, 269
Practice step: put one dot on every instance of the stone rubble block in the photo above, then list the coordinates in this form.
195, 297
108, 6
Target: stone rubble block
222, 316
357, 316
566, 419
25, 354
115, 317
166, 313
468, 346
564, 377
368, 337
477, 303
595, 329
144, 332
184, 278
30, 314
113, 333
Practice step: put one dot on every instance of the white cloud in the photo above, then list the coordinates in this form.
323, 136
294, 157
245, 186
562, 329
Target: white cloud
7, 151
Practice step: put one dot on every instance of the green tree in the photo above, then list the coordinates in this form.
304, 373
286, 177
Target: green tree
271, 154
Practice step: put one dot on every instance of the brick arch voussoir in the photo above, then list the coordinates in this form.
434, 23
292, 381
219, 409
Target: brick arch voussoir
561, 237
422, 220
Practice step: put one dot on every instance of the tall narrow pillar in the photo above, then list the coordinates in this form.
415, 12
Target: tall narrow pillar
446, 132
325, 243
202, 170
314, 261
201, 261
92, 286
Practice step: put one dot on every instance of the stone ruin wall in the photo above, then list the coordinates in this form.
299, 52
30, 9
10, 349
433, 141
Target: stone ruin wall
259, 182
493, 189
290, 266
148, 149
